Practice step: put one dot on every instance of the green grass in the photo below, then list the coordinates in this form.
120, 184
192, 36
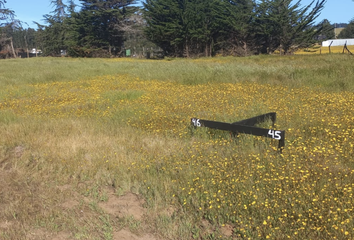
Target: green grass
74, 129
332, 72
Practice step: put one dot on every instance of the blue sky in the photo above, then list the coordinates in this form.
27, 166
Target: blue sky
336, 11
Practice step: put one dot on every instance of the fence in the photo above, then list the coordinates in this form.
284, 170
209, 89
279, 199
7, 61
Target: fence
341, 43
24, 55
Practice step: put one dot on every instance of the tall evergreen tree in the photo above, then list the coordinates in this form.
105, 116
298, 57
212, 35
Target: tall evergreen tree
71, 6
7, 22
53, 35
184, 27
285, 26
327, 31
24, 38
348, 31
96, 27
207, 24
60, 9
166, 25
240, 18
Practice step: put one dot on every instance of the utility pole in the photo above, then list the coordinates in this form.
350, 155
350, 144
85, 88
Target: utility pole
335, 32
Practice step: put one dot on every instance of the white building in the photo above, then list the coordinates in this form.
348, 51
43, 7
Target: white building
338, 42
34, 51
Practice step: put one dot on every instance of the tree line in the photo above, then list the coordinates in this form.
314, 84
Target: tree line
180, 28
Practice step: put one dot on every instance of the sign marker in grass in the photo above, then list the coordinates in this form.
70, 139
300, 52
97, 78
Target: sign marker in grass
246, 126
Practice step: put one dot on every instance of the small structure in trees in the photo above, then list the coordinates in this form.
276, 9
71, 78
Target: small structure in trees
339, 42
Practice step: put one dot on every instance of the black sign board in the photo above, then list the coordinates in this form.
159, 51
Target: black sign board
246, 126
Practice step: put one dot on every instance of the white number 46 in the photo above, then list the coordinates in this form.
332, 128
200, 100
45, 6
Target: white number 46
274, 134
196, 122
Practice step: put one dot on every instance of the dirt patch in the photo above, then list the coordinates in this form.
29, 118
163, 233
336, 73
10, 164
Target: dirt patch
5, 224
39, 234
226, 230
64, 188
169, 211
70, 204
127, 235
127, 205
18, 151
207, 227
7, 162
62, 236
23, 194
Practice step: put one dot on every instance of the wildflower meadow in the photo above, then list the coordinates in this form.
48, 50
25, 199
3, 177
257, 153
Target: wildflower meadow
135, 128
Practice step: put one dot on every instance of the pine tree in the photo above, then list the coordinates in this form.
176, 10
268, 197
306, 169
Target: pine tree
7, 22
166, 25
348, 31
327, 31
96, 27
285, 26
239, 21
207, 23
60, 10
184, 27
52, 36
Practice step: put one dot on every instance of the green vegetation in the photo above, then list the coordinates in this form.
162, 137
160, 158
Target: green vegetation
237, 27
347, 32
294, 71
191, 28
84, 142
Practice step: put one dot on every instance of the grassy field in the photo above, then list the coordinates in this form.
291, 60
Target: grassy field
103, 148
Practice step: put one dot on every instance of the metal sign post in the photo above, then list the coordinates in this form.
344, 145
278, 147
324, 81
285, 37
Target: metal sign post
246, 126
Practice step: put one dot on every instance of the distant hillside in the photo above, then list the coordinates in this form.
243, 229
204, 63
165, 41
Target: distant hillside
337, 31
338, 27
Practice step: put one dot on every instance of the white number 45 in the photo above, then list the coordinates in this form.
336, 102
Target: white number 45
274, 134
